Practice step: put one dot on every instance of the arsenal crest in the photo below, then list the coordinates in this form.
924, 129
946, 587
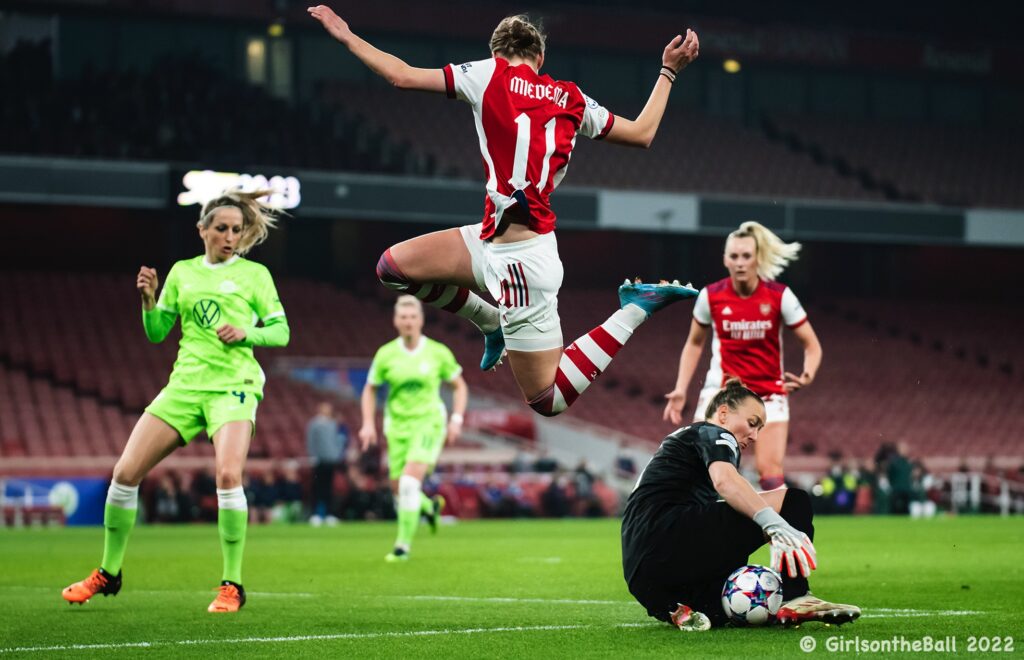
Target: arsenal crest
765, 309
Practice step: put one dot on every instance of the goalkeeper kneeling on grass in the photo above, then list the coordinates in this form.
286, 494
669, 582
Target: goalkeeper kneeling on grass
680, 540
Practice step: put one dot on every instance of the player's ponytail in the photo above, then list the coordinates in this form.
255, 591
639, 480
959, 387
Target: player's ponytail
517, 36
257, 218
773, 254
733, 394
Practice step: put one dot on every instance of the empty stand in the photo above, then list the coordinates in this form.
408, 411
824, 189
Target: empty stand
76, 369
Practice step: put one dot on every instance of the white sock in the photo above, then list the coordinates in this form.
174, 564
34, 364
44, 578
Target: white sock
125, 497
409, 493
232, 498
629, 317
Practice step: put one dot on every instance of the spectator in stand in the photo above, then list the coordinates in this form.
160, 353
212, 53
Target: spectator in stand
289, 493
625, 464
545, 463
326, 442
920, 504
555, 500
264, 499
900, 470
167, 501
204, 492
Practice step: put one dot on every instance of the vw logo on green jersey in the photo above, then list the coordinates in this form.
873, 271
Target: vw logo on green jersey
206, 312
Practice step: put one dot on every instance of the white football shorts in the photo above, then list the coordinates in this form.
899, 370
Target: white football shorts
524, 278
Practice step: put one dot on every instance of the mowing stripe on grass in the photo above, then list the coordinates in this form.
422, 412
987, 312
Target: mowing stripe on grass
161, 592
296, 638
412, 633
496, 599
871, 613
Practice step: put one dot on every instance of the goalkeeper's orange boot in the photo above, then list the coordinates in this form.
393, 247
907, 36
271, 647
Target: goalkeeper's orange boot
810, 608
99, 582
230, 598
688, 620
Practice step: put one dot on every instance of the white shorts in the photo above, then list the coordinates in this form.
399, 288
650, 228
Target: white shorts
776, 406
524, 278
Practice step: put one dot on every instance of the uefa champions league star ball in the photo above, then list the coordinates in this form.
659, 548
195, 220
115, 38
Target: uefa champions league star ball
752, 595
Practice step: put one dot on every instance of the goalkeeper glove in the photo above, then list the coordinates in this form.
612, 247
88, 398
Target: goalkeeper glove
790, 548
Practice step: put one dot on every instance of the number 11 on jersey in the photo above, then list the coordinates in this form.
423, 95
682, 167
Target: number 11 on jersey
523, 138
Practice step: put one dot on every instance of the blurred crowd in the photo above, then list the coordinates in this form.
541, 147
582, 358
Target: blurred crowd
337, 482
898, 483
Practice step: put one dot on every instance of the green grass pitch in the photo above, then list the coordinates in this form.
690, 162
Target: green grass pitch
484, 589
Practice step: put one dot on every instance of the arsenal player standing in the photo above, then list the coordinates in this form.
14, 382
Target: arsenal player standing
746, 313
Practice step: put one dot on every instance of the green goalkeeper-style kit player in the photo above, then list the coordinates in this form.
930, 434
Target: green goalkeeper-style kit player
416, 424
215, 386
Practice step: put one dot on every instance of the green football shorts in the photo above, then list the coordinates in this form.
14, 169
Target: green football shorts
191, 411
414, 441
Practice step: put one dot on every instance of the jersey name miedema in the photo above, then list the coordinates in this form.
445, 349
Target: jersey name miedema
527, 125
747, 333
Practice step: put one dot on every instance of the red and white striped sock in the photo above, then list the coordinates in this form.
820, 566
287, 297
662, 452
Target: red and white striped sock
449, 297
459, 301
587, 358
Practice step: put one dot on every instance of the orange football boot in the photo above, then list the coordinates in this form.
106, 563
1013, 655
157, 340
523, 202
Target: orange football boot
230, 598
99, 582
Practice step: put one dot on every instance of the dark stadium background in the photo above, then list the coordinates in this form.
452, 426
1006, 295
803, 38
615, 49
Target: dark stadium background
886, 137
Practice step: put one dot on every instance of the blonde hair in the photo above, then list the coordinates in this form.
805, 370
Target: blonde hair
257, 218
408, 301
773, 254
517, 36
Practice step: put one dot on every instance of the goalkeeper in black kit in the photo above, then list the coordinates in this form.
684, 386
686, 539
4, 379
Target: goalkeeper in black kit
692, 519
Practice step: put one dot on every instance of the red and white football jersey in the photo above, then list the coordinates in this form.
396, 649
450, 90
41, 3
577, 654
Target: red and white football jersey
527, 124
747, 333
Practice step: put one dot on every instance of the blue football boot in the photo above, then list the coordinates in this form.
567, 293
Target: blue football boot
652, 297
494, 350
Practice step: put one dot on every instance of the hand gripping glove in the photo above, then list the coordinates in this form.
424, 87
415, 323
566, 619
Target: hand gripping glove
790, 548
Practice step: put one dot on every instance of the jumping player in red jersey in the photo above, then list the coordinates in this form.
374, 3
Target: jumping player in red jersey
527, 124
746, 313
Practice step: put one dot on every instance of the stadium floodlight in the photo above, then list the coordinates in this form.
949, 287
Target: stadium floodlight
203, 185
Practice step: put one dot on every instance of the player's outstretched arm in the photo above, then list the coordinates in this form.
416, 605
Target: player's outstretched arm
368, 408
460, 397
791, 549
640, 132
692, 349
734, 489
812, 359
385, 65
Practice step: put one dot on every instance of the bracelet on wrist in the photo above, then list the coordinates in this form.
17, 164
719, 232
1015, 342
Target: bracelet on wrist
456, 417
669, 76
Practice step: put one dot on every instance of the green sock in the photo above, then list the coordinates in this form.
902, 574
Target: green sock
117, 525
232, 523
426, 504
408, 519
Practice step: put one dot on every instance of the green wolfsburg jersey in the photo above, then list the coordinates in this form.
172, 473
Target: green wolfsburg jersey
206, 296
413, 377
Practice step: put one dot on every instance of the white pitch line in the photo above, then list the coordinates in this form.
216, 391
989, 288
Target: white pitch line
898, 614
890, 610
295, 638
419, 633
